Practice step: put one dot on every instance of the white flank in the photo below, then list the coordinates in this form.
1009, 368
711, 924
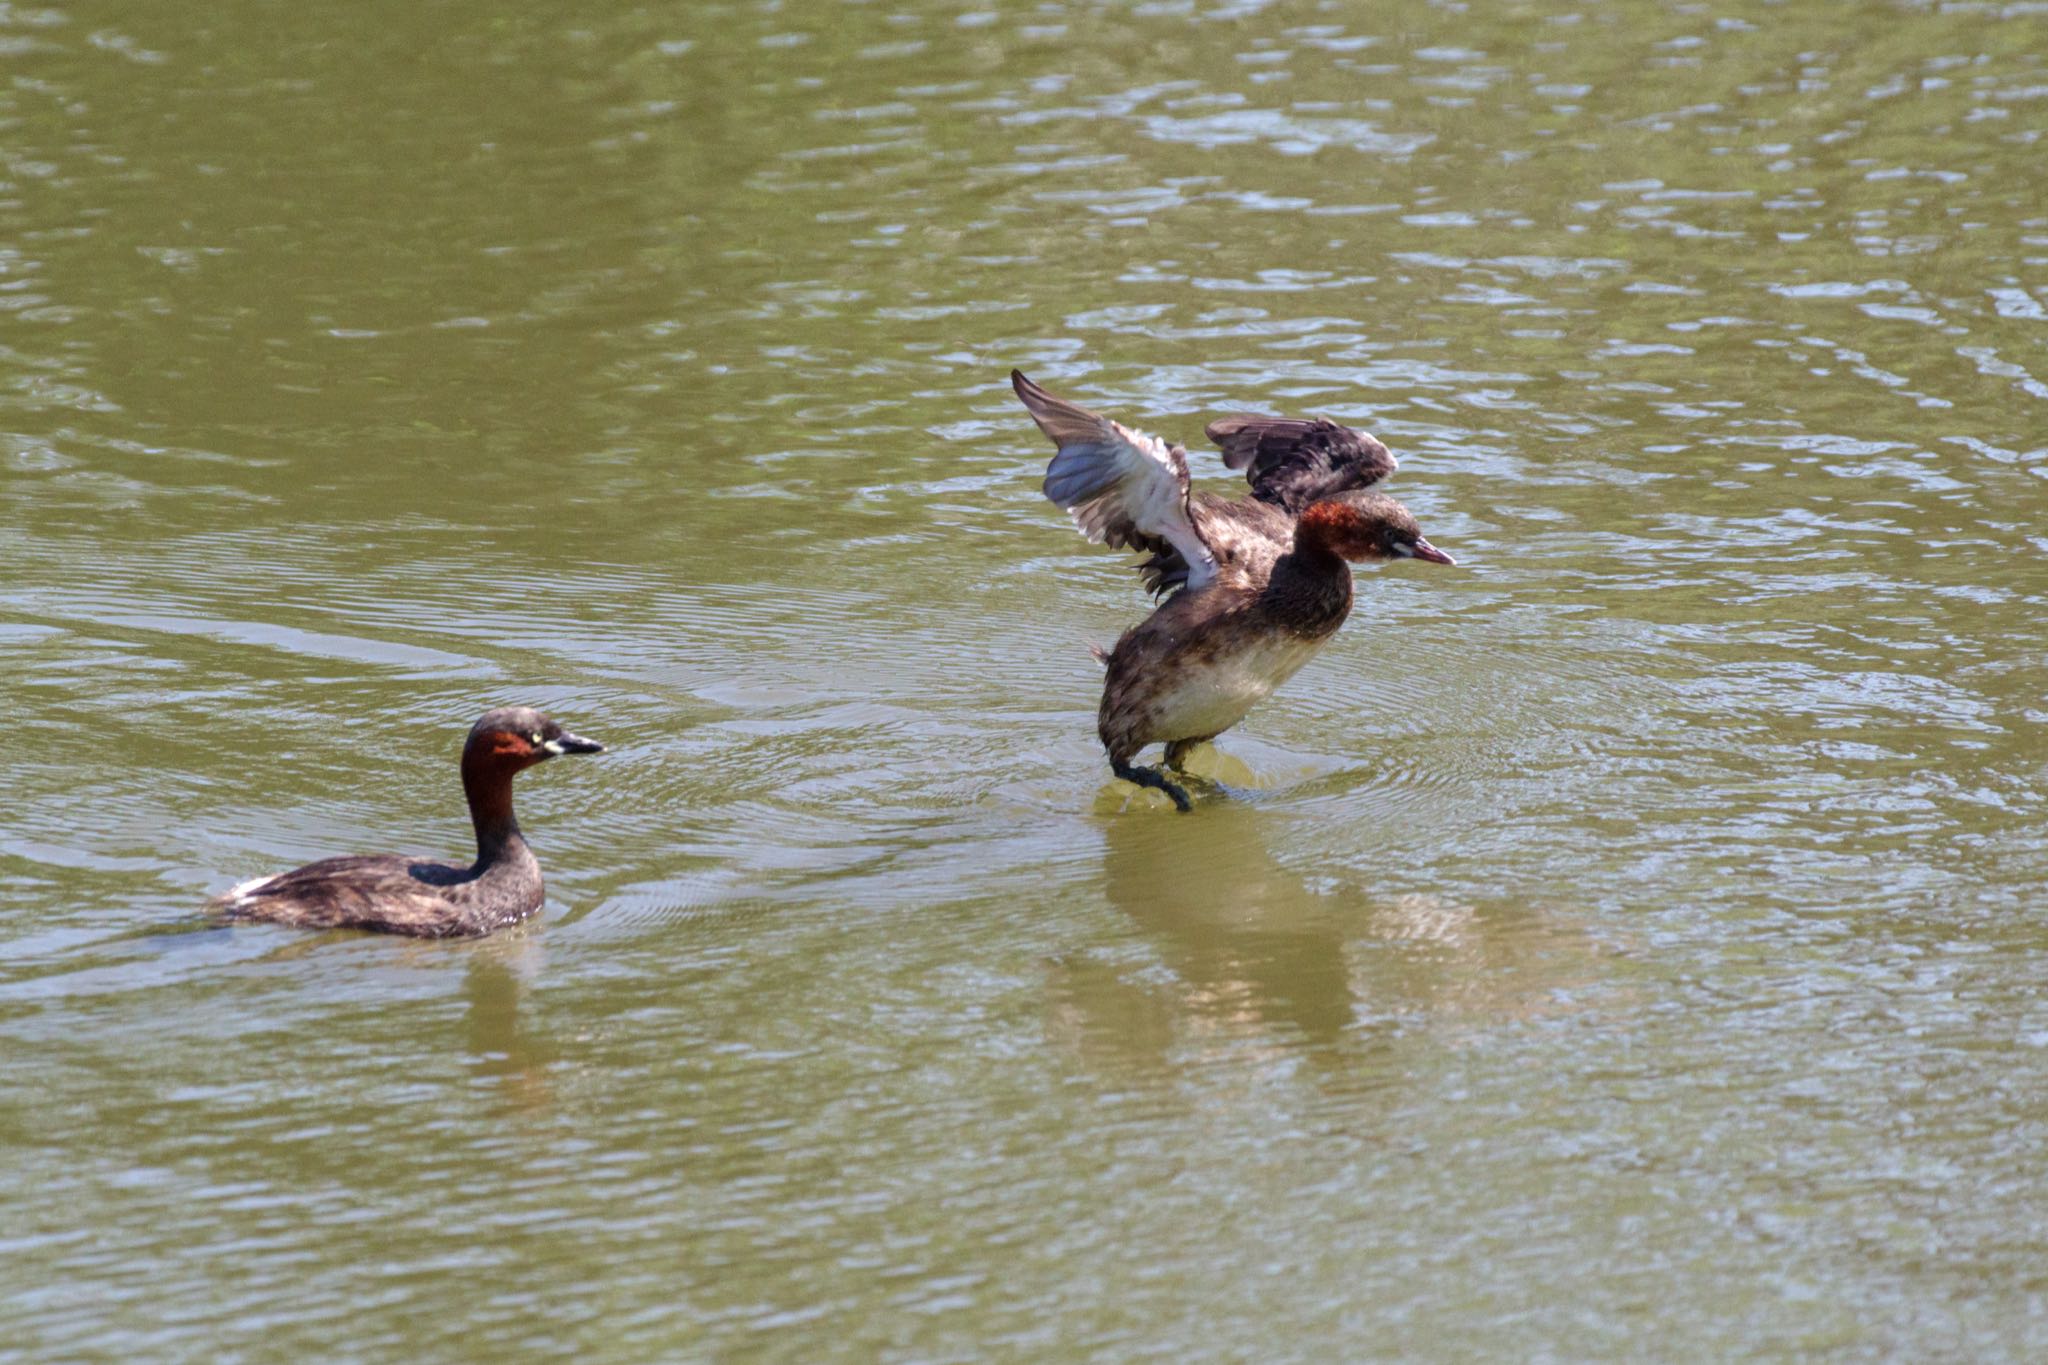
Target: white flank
243, 890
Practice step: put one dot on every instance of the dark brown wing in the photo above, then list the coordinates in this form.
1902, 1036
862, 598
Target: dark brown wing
1291, 462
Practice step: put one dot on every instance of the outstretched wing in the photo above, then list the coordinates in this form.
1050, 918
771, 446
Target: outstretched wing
1122, 487
1292, 461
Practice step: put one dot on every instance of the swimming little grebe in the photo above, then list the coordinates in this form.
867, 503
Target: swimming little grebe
396, 895
1260, 582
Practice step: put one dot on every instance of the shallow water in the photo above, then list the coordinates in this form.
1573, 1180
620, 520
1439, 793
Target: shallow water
1626, 943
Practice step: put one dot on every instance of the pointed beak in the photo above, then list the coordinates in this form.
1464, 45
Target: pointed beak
1424, 550
566, 743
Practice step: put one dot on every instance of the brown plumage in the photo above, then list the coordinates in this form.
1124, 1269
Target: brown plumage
1258, 583
397, 895
1291, 462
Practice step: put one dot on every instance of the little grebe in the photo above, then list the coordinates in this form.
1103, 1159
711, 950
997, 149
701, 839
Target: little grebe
1259, 583
396, 895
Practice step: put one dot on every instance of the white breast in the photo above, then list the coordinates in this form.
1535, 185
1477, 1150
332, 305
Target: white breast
1209, 697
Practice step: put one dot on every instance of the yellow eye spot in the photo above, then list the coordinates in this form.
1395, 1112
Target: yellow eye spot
535, 737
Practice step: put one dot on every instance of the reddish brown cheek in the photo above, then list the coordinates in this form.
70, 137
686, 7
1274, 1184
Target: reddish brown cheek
511, 748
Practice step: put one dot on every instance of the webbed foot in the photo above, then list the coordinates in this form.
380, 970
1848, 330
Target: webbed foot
1153, 778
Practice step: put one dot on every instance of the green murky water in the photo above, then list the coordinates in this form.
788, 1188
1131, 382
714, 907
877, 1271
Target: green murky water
1631, 942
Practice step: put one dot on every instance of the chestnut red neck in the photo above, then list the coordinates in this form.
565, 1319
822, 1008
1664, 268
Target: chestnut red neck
1309, 593
1325, 526
487, 782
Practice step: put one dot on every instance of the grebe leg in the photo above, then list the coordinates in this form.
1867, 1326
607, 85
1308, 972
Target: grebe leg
1153, 778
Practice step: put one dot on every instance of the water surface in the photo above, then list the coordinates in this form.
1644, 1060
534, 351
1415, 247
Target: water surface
1628, 942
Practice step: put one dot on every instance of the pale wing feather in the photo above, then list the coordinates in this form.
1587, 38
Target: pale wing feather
1123, 488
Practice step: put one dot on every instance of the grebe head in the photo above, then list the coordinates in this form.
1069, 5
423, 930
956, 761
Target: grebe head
1367, 526
519, 737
